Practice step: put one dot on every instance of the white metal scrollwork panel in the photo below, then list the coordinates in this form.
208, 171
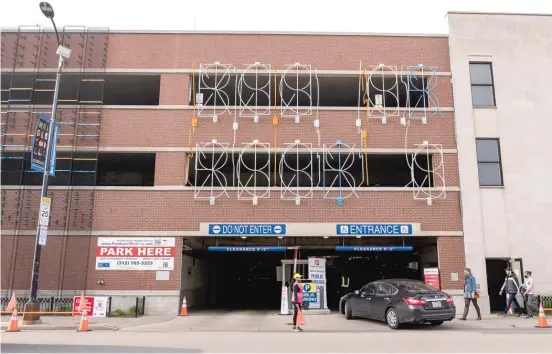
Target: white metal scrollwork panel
420, 83
301, 174
215, 86
433, 185
253, 173
210, 182
255, 86
383, 91
337, 180
296, 91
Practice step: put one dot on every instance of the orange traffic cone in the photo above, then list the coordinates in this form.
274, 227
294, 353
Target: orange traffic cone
83, 327
12, 306
543, 323
184, 308
13, 326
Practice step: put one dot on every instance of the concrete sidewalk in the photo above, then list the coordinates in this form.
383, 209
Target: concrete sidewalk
95, 324
252, 321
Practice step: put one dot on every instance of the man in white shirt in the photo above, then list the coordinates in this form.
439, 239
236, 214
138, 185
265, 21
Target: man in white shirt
528, 289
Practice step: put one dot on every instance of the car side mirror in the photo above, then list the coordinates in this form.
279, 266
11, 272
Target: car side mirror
357, 292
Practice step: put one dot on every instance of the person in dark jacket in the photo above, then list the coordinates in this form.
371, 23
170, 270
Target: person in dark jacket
297, 301
511, 287
470, 294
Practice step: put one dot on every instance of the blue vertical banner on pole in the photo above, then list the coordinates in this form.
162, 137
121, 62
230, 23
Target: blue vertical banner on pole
40, 146
53, 153
40, 142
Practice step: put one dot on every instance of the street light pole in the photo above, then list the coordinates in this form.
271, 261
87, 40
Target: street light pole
64, 53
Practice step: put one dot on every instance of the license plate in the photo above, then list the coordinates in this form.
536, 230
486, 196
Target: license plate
436, 304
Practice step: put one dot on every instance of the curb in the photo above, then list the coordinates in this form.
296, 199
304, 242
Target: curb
31, 328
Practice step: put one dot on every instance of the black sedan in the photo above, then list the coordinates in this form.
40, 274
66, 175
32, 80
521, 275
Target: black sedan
398, 301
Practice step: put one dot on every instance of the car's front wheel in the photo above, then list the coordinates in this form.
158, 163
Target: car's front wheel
436, 323
392, 318
348, 311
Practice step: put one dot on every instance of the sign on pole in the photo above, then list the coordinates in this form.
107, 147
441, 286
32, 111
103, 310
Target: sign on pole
44, 220
40, 145
42, 235
284, 305
45, 205
53, 153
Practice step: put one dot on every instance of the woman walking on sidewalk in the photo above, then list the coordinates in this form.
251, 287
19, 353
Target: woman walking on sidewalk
470, 294
297, 301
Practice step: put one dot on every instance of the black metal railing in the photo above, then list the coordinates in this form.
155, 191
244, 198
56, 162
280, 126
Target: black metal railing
140, 306
546, 301
49, 304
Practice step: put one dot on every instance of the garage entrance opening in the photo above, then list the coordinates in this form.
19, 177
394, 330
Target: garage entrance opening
248, 274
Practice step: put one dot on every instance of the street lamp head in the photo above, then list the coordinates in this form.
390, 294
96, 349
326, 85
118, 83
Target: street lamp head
47, 10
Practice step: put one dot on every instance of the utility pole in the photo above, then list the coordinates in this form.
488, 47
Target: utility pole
64, 53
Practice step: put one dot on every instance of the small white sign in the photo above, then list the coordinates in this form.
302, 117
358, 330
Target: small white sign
45, 205
99, 308
162, 275
317, 274
199, 98
284, 306
42, 235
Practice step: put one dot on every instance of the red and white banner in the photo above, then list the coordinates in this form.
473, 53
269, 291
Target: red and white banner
431, 277
140, 253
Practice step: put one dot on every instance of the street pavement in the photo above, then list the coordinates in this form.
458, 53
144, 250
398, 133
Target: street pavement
260, 332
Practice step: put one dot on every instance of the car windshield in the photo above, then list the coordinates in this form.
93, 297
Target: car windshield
416, 287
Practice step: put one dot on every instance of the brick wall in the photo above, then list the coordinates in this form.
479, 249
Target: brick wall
174, 89
172, 51
177, 210
451, 260
325, 52
171, 128
69, 262
170, 168
66, 259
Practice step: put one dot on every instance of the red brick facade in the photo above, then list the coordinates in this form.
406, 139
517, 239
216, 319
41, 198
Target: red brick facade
69, 261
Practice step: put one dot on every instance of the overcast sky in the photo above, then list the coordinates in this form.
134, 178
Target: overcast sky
390, 16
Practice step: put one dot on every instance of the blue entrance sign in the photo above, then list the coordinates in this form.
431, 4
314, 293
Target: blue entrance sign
374, 229
374, 248
247, 229
246, 249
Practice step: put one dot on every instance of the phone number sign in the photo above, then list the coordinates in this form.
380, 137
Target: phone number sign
140, 253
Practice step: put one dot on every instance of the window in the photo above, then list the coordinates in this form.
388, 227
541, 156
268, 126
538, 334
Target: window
334, 91
482, 85
387, 170
369, 289
82, 169
489, 162
384, 289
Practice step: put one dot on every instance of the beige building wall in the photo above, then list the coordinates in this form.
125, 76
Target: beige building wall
512, 221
